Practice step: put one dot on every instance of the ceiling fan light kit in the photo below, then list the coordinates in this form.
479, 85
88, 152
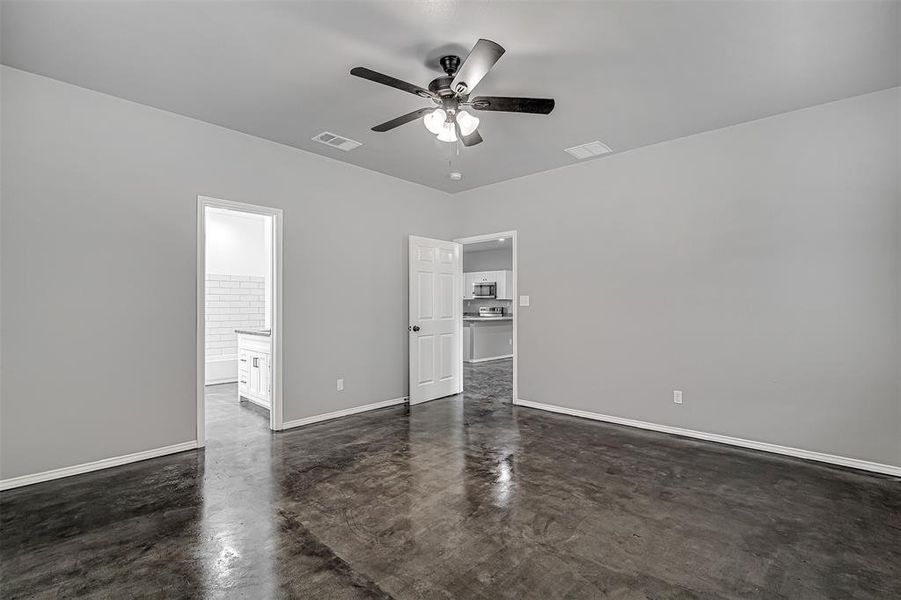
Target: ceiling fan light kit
434, 121
444, 124
450, 121
468, 123
447, 133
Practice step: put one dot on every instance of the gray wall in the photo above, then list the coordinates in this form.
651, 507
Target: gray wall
98, 268
487, 260
757, 268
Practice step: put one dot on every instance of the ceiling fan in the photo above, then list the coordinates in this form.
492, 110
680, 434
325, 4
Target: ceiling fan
450, 121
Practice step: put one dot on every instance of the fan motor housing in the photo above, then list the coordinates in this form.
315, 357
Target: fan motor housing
441, 86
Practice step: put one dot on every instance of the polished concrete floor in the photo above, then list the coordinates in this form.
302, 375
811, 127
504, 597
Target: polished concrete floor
457, 498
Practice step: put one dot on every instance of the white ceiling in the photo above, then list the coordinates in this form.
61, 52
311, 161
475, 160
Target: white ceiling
507, 244
626, 73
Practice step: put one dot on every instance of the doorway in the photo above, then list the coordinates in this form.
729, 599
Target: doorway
489, 315
239, 309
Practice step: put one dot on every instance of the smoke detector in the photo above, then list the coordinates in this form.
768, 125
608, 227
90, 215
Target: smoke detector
336, 141
589, 150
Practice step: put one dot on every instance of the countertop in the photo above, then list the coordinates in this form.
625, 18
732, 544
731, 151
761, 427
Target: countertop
260, 332
504, 318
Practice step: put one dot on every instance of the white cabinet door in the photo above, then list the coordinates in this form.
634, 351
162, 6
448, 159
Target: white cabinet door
468, 278
263, 368
504, 285
258, 377
255, 377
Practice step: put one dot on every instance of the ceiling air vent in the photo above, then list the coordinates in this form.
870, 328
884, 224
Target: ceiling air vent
336, 141
589, 150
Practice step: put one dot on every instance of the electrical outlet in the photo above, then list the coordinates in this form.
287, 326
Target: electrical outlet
523, 300
677, 396
340, 385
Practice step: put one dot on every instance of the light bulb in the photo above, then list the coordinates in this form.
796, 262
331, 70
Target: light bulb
448, 134
434, 121
467, 122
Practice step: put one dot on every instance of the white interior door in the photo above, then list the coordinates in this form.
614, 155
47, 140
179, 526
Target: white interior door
436, 319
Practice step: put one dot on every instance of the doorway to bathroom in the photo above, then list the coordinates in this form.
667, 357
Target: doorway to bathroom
238, 319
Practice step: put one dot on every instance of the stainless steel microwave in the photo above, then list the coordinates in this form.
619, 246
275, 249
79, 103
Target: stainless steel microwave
484, 289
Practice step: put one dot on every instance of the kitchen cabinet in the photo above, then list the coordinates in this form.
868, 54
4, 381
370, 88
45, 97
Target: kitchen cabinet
504, 280
468, 279
254, 367
487, 340
504, 285
467, 342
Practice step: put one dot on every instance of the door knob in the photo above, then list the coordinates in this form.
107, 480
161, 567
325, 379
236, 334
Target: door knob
416, 328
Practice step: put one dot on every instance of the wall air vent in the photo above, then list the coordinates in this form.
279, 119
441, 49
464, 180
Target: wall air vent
589, 150
336, 141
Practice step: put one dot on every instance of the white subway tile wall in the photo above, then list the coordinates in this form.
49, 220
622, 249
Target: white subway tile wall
232, 302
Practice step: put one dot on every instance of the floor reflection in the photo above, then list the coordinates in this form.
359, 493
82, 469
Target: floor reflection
237, 529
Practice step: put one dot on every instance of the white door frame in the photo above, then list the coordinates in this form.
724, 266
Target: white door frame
276, 421
487, 238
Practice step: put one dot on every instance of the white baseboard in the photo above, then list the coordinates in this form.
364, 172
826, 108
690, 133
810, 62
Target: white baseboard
343, 413
221, 369
832, 459
14, 482
490, 358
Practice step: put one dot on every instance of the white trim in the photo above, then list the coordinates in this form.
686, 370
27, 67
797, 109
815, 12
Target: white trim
832, 459
200, 340
277, 214
490, 358
513, 235
344, 413
116, 461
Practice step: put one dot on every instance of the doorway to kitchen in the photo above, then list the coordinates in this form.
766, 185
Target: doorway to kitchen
489, 316
239, 337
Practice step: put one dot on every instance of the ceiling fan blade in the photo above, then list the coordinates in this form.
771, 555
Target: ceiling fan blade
468, 140
390, 81
403, 119
480, 60
541, 106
